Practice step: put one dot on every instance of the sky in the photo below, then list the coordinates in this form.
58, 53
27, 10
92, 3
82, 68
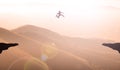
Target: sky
83, 18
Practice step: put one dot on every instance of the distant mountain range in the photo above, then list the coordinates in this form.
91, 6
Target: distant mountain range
42, 49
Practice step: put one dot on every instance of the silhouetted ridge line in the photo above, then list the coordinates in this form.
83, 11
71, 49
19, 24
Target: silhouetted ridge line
35, 28
114, 46
5, 46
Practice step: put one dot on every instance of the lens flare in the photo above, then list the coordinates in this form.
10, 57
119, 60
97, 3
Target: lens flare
49, 51
28, 63
16, 63
35, 64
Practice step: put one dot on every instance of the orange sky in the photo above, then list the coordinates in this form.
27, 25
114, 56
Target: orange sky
83, 18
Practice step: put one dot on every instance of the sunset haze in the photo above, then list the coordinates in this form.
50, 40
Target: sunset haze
83, 18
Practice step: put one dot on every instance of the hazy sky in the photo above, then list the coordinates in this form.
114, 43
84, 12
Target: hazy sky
83, 18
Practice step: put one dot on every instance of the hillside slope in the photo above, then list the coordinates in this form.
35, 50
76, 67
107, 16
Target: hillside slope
98, 56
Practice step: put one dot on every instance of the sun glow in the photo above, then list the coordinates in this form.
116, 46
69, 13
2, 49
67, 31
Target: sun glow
89, 17
88, 7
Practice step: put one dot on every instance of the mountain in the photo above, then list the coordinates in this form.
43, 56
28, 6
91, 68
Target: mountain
98, 56
48, 36
29, 54
67, 61
25, 44
19, 55
42, 34
9, 56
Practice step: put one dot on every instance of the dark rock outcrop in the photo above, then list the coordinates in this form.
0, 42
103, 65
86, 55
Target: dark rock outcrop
114, 46
5, 46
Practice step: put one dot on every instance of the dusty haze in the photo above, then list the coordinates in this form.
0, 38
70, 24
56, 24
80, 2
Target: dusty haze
88, 19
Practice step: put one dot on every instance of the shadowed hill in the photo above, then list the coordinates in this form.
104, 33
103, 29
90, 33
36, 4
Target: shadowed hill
5, 46
41, 34
45, 35
17, 59
88, 49
8, 57
31, 47
67, 61
25, 44
114, 46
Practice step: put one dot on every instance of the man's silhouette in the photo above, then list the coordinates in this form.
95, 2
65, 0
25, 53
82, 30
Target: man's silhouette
5, 46
59, 14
